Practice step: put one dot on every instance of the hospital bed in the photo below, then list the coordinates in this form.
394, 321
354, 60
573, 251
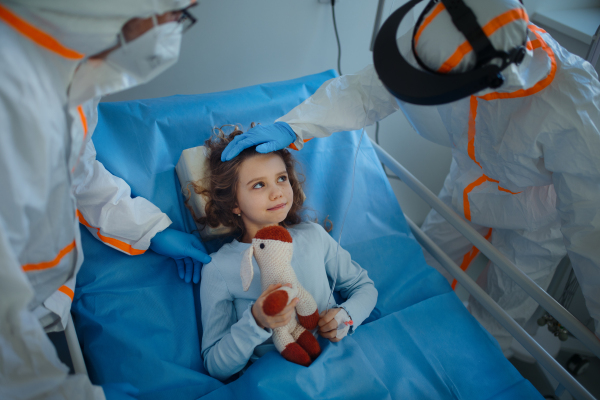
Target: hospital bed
137, 322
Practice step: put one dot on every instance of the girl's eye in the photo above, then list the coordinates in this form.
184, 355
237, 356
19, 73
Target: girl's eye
258, 185
282, 178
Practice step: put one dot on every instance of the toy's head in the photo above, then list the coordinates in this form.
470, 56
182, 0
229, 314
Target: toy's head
272, 247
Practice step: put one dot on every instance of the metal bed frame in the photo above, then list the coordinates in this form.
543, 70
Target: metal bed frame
565, 379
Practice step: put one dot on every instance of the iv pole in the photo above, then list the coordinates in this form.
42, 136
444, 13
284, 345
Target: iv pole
377, 24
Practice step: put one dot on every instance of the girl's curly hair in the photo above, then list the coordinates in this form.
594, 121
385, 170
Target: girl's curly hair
220, 189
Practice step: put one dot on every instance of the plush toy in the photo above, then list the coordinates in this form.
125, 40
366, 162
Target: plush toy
272, 247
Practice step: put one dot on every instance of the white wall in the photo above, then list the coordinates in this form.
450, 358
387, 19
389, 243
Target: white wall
238, 43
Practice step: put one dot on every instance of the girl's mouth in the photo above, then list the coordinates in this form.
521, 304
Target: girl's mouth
277, 207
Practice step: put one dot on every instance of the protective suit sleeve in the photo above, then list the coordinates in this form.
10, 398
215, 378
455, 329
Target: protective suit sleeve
352, 281
227, 344
578, 203
59, 303
105, 205
572, 156
29, 365
346, 103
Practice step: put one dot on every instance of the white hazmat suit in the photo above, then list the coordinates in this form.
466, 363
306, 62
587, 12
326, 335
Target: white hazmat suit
51, 181
526, 165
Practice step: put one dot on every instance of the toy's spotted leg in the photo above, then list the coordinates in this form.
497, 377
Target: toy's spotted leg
308, 314
307, 341
289, 349
276, 301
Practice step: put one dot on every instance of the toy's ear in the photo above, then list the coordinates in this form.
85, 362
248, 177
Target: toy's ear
247, 271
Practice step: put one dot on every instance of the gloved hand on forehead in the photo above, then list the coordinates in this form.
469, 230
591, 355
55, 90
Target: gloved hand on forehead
267, 138
186, 249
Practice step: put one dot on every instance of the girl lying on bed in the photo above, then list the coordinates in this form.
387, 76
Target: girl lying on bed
248, 193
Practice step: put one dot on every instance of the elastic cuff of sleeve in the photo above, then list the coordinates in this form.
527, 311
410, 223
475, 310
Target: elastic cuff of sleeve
288, 129
266, 332
163, 224
298, 142
297, 145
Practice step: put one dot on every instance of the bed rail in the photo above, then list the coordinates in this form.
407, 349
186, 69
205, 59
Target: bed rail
74, 349
546, 301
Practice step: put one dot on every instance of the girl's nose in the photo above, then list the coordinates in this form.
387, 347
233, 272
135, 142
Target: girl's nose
276, 193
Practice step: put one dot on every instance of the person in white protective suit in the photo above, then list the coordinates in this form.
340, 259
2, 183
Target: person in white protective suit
58, 59
526, 154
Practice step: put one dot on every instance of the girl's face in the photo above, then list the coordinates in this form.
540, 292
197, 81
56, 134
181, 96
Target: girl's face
264, 193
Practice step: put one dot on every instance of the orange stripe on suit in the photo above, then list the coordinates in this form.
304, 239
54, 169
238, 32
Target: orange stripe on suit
49, 264
491, 27
67, 290
83, 121
37, 36
434, 13
124, 247
469, 257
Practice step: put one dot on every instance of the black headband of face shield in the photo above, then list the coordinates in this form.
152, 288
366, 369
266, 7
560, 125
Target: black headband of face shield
427, 87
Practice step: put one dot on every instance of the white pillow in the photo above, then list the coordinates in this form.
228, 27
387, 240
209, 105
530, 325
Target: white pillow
193, 167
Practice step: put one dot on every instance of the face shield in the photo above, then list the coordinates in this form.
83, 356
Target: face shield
412, 75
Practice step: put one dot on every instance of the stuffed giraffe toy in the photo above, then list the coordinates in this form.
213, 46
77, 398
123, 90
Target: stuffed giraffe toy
272, 247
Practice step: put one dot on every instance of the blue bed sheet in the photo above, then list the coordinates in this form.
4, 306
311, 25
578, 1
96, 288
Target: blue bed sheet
138, 322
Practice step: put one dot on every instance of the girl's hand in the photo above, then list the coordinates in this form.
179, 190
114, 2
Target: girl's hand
328, 325
275, 321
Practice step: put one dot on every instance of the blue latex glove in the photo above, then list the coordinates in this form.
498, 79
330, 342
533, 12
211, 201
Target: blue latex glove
267, 138
120, 391
186, 249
